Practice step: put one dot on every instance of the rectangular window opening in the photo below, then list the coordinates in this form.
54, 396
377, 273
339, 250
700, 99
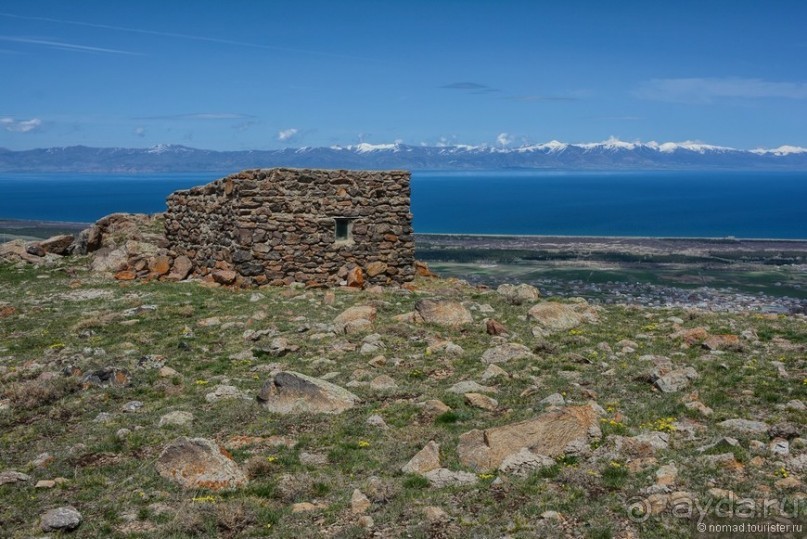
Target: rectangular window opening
344, 227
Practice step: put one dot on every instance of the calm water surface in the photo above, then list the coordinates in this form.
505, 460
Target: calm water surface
713, 204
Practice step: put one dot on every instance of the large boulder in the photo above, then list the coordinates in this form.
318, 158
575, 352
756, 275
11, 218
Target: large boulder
57, 245
426, 460
181, 269
199, 463
290, 392
108, 260
65, 518
518, 294
552, 316
551, 434
355, 319
443, 313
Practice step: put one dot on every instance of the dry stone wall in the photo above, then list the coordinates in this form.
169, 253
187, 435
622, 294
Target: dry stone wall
280, 225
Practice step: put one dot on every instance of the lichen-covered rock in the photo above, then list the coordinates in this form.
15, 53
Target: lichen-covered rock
199, 463
524, 463
518, 294
425, 460
290, 392
65, 518
674, 380
507, 352
745, 426
355, 319
549, 434
552, 316
443, 313
12, 476
443, 477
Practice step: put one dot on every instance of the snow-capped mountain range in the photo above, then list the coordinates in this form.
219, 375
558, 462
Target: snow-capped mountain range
611, 154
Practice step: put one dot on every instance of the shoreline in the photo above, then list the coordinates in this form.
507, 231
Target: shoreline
545, 237
14, 223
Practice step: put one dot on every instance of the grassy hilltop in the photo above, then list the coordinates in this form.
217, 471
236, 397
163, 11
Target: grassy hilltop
90, 368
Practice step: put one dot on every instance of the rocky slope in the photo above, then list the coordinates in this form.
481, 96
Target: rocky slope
151, 408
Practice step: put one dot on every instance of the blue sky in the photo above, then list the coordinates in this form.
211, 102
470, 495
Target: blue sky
261, 75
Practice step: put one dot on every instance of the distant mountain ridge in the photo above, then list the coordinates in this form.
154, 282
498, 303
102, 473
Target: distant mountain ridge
612, 154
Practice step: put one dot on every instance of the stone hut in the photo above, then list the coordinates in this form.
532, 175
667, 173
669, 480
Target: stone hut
285, 225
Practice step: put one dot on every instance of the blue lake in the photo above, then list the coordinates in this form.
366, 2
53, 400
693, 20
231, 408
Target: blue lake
681, 204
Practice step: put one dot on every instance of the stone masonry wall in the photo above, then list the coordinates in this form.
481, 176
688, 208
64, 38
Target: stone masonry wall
277, 225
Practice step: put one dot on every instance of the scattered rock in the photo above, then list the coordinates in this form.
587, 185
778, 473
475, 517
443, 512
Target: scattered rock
721, 342
553, 317
507, 352
108, 376
359, 503
422, 269
426, 460
744, 426
304, 507
434, 407
199, 463
549, 434
469, 386
376, 420
691, 336
293, 393
524, 462
178, 419
784, 430
435, 514
518, 294
443, 313
225, 392
65, 518
443, 477
313, 459
495, 328
667, 475
699, 407
674, 380
642, 445
779, 447
555, 399
355, 319
132, 407
383, 383
11, 477
478, 400
493, 371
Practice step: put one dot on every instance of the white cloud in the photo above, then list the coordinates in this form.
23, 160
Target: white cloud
20, 126
707, 90
140, 131
504, 139
286, 134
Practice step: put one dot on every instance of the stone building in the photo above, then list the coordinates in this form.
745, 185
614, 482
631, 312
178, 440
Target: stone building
284, 225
